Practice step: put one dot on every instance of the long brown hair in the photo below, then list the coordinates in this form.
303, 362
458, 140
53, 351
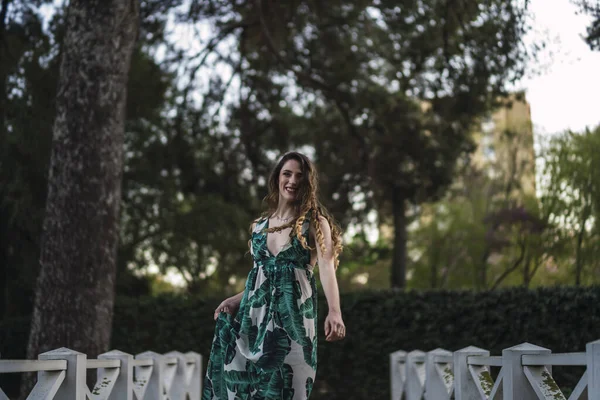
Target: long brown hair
308, 204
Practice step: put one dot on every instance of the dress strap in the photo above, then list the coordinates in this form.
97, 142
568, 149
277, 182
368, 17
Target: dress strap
260, 224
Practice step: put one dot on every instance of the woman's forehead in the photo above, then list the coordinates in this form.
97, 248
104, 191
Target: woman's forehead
292, 165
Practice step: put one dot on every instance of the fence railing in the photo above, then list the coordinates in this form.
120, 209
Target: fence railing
525, 373
61, 374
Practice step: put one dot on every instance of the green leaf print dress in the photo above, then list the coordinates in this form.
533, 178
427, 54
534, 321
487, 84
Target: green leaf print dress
269, 350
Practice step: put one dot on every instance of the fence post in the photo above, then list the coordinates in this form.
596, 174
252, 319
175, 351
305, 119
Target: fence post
123, 388
415, 375
74, 386
179, 387
516, 386
195, 385
439, 381
465, 387
155, 389
397, 373
592, 350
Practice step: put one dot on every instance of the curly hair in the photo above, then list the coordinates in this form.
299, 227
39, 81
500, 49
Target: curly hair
308, 204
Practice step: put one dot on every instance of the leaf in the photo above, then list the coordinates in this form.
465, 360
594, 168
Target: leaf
276, 346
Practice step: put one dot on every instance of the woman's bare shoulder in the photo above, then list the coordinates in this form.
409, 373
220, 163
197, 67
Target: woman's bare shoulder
323, 225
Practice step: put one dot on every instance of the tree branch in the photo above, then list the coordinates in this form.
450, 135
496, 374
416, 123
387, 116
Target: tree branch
140, 239
334, 92
227, 85
212, 44
515, 265
300, 74
537, 265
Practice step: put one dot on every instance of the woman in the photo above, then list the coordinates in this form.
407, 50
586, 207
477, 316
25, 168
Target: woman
269, 350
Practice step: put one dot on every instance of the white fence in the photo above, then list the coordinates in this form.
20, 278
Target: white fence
525, 373
120, 376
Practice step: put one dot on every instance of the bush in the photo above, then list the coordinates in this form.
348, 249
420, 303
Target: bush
14, 333
378, 323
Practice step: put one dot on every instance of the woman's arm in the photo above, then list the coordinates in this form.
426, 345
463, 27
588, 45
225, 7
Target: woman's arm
334, 325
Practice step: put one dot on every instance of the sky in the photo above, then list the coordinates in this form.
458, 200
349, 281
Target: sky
564, 95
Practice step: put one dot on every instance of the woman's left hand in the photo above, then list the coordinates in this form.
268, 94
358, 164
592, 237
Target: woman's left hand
334, 327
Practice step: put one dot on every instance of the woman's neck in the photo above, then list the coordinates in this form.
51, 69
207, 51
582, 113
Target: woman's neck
285, 211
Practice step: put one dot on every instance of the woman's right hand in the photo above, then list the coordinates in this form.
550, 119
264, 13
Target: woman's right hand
229, 305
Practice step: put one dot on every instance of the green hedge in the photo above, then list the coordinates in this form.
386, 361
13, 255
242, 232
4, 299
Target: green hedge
378, 323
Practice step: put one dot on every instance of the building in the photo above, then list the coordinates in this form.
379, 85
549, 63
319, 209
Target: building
505, 147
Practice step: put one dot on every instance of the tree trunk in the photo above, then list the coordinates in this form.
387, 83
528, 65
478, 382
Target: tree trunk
398, 274
433, 275
578, 252
483, 267
75, 287
527, 273
434, 260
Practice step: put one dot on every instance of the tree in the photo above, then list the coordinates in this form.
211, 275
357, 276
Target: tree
75, 287
515, 228
591, 8
185, 175
488, 230
570, 197
27, 74
386, 92
198, 175
293, 72
448, 242
32, 66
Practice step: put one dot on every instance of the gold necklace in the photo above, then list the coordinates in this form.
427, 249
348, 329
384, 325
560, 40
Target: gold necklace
282, 219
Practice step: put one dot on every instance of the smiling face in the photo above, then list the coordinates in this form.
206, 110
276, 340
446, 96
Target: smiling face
290, 179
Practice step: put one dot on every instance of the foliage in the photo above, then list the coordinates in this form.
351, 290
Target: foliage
471, 241
359, 72
488, 232
31, 73
448, 245
379, 323
28, 71
487, 229
570, 199
364, 265
381, 94
198, 140
591, 8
